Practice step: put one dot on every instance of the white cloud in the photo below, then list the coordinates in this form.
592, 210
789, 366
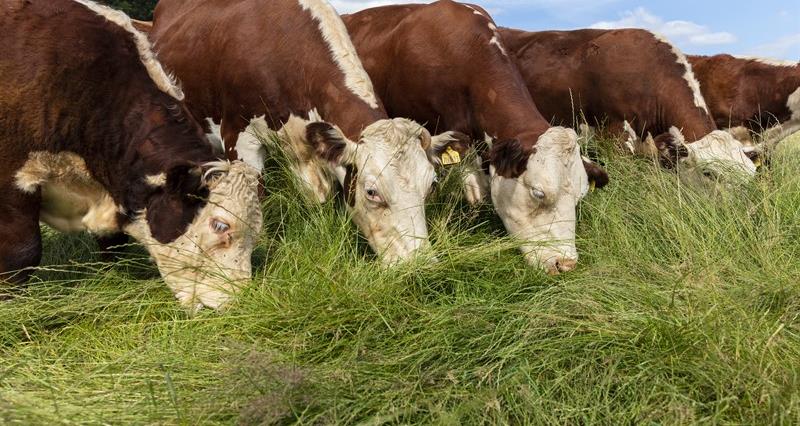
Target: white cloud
784, 47
681, 32
350, 6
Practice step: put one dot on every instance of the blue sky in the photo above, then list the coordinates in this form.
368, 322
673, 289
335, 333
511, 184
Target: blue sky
767, 28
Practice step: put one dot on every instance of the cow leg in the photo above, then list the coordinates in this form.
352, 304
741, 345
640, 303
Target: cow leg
20, 236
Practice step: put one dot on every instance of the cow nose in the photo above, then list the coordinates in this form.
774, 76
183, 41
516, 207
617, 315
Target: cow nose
562, 264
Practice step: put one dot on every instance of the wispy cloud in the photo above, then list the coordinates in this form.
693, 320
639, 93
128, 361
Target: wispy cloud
681, 32
783, 47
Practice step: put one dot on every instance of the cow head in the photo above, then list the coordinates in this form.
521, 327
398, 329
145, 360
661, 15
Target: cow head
207, 262
716, 158
386, 177
535, 193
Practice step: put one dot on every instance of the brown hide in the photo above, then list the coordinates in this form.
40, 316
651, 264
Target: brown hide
73, 81
242, 59
436, 64
609, 76
745, 92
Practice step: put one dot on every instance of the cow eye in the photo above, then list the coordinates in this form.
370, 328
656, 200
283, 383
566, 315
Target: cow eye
537, 193
373, 194
708, 174
219, 226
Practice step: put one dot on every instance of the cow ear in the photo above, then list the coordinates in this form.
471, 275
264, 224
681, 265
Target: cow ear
449, 148
509, 158
328, 142
598, 178
174, 205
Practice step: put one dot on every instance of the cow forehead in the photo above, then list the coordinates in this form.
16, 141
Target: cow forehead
393, 147
716, 145
234, 192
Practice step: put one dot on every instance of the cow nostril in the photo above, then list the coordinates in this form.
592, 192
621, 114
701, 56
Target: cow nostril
566, 264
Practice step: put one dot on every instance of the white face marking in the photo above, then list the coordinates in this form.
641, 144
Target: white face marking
688, 75
394, 177
716, 157
344, 53
538, 207
154, 68
72, 201
211, 261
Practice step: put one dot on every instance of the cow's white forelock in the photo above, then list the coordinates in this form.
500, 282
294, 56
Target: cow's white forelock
688, 75
344, 53
164, 81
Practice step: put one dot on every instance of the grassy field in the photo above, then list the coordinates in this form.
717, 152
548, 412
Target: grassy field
684, 310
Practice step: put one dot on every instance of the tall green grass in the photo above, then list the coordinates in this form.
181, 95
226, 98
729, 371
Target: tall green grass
684, 310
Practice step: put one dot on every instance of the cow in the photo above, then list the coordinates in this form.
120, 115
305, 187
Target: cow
633, 83
754, 93
444, 64
280, 67
94, 137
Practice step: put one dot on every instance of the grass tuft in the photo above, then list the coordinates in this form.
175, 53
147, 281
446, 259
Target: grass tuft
685, 309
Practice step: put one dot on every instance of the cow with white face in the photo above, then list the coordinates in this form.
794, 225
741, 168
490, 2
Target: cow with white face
423, 59
535, 192
250, 81
385, 177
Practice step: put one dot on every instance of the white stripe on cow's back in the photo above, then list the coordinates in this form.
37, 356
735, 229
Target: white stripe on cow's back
688, 75
493, 28
344, 53
768, 61
154, 68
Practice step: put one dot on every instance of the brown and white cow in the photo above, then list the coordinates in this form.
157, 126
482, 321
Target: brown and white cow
631, 81
444, 64
93, 136
758, 94
255, 66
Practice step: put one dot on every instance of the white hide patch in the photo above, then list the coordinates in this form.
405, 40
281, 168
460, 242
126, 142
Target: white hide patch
72, 201
215, 135
154, 68
156, 181
768, 61
344, 53
493, 28
688, 75
794, 104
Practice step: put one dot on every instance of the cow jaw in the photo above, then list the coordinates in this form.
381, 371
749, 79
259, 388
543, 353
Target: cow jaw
392, 179
211, 261
716, 158
538, 207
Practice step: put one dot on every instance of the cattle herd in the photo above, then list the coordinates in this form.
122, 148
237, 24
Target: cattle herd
154, 130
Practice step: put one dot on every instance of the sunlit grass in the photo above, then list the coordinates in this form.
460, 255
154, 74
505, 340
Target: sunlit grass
684, 309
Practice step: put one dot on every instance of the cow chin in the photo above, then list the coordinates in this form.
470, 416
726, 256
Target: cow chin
206, 267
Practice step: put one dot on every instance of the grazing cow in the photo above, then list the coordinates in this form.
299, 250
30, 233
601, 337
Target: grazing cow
444, 64
758, 94
252, 66
94, 137
633, 82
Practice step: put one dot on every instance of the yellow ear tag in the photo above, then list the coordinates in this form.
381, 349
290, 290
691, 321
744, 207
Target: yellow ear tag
450, 156
758, 162
592, 185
